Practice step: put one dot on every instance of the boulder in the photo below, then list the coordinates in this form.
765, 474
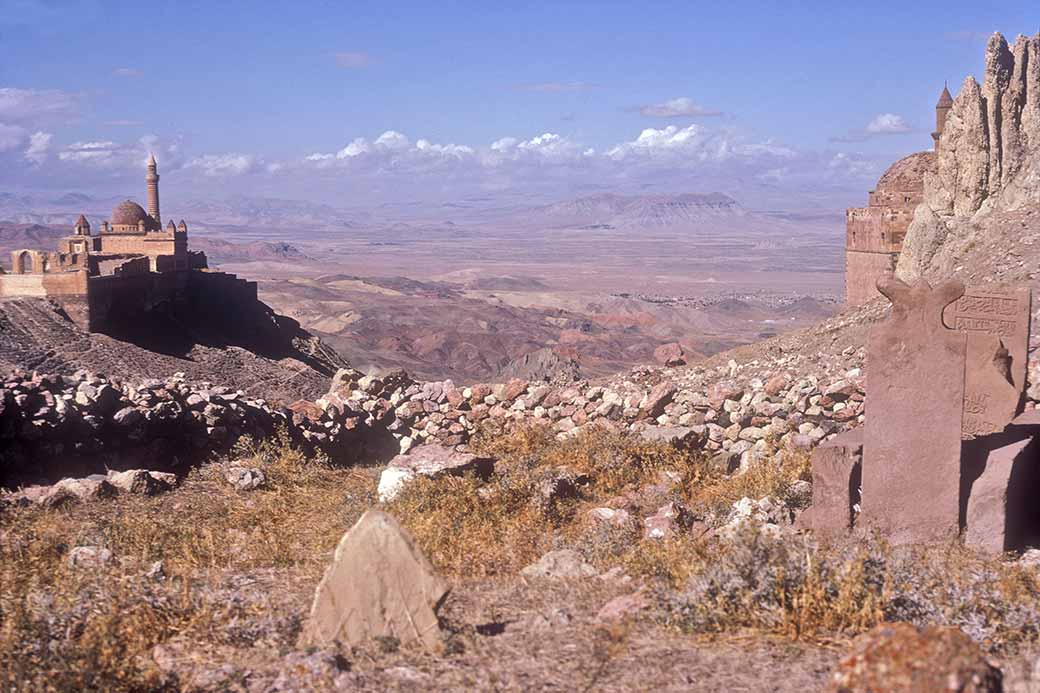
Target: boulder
670, 354
899, 658
431, 461
379, 585
676, 436
657, 399
245, 478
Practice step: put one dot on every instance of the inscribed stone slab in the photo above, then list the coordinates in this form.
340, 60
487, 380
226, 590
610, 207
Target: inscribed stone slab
999, 311
991, 401
914, 404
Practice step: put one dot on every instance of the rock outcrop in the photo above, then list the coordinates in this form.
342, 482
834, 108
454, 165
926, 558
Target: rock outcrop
989, 157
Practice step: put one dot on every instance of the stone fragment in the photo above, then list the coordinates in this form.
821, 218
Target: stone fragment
990, 399
245, 478
558, 565
912, 443
669, 521
88, 488
836, 470
671, 354
1002, 473
658, 398
676, 436
431, 461
379, 585
138, 481
89, 557
899, 658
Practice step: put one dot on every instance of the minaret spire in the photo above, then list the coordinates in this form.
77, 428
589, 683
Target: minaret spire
152, 179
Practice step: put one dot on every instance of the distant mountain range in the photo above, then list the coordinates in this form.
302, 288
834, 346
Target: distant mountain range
593, 212
608, 210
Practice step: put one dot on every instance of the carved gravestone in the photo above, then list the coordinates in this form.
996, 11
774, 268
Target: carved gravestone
912, 438
1000, 312
996, 320
379, 585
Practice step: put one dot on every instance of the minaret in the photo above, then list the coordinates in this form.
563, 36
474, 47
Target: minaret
152, 179
942, 109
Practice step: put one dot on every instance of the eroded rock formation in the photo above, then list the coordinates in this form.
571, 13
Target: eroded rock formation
989, 158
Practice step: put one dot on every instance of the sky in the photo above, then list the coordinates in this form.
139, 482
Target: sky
355, 103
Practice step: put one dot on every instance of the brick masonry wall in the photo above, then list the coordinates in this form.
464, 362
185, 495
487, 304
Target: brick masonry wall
862, 270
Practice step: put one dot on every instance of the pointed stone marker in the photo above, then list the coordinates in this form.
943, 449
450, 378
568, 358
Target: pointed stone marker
379, 585
914, 405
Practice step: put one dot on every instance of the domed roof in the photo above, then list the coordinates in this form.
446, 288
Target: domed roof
907, 174
129, 213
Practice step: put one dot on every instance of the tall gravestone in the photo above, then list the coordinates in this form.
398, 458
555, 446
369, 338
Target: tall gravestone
914, 405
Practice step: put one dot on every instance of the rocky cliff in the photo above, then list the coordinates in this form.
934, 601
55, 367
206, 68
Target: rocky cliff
988, 163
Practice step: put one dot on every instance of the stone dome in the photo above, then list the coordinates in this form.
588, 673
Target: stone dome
129, 213
907, 174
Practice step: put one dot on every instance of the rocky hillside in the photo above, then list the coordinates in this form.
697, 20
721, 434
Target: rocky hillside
981, 211
272, 358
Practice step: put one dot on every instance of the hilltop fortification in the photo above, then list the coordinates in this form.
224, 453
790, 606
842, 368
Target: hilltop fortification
130, 267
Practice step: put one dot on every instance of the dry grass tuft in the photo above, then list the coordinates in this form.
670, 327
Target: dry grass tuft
471, 528
69, 628
715, 492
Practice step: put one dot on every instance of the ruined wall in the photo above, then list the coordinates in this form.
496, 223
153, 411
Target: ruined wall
862, 270
876, 229
67, 289
151, 244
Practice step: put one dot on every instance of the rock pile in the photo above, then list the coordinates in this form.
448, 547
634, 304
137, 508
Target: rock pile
54, 425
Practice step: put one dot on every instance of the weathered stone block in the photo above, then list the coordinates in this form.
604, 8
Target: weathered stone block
379, 585
1001, 474
836, 471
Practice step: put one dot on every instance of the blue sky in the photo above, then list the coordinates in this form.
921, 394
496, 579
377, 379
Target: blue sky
757, 99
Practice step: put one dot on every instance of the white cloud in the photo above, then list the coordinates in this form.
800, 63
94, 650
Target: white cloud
126, 72
39, 144
353, 60
221, 165
677, 108
391, 139
356, 148
887, 124
547, 146
880, 125
455, 150
20, 104
653, 142
95, 151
